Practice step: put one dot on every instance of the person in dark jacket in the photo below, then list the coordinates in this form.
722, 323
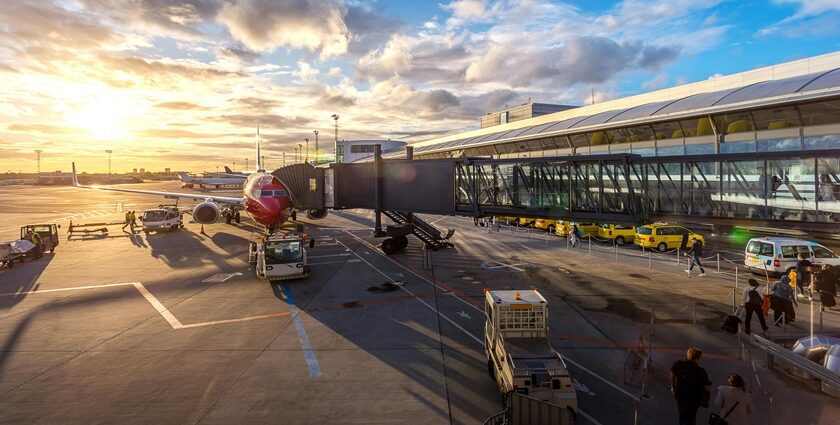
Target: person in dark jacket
782, 300
696, 253
803, 274
825, 285
752, 300
690, 385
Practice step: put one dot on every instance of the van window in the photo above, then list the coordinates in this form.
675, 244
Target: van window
644, 230
822, 252
760, 248
623, 226
792, 251
664, 231
680, 231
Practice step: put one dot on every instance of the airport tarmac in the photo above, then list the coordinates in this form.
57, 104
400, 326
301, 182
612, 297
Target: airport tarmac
175, 327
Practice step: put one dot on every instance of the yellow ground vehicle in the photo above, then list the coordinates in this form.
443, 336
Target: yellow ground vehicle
665, 236
516, 221
564, 227
619, 233
546, 224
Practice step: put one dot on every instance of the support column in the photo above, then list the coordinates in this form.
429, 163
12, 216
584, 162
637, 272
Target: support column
377, 192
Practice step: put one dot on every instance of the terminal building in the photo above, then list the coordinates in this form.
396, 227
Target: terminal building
790, 106
357, 150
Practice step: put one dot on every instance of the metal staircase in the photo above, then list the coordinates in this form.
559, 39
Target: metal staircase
407, 223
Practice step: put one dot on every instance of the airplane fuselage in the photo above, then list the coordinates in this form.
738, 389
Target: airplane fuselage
267, 200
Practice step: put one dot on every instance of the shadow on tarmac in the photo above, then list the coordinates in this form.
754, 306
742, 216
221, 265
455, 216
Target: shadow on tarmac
21, 279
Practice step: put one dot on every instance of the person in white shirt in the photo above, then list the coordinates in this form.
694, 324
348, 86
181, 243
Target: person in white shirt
729, 395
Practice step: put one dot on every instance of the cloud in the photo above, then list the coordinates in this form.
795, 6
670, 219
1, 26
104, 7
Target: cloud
137, 70
177, 18
265, 25
817, 18
257, 103
181, 106
580, 60
44, 128
274, 121
241, 55
168, 133
465, 11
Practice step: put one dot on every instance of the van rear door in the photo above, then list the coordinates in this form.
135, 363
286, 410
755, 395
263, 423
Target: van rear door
759, 254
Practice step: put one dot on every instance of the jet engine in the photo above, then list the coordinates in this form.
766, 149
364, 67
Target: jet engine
316, 214
206, 212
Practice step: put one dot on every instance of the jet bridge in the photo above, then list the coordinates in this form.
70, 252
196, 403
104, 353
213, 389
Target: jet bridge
790, 190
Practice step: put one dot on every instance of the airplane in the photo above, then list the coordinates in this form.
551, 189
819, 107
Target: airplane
264, 198
214, 181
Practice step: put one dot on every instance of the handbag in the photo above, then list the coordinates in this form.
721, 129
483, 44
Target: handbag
715, 419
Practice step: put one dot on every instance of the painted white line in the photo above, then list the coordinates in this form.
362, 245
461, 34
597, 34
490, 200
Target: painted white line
221, 277
333, 262
75, 288
606, 381
173, 321
343, 254
411, 271
442, 316
241, 319
588, 418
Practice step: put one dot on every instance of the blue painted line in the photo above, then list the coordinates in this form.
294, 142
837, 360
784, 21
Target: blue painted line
308, 352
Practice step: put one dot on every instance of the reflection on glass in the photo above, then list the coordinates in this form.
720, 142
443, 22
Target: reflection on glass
830, 141
774, 145
672, 150
700, 149
737, 147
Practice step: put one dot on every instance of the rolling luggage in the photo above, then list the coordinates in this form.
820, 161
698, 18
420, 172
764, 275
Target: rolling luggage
731, 323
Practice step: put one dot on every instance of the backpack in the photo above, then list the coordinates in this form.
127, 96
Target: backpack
755, 298
579, 233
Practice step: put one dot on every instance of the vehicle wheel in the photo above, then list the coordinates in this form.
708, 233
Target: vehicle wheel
662, 247
389, 246
551, 228
236, 218
402, 241
228, 219
619, 240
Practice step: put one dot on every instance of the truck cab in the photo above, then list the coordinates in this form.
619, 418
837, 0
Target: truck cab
520, 357
280, 257
47, 232
162, 219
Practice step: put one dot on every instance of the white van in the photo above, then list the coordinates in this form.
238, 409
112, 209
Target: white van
778, 255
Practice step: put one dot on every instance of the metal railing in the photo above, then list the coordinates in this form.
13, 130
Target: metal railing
777, 352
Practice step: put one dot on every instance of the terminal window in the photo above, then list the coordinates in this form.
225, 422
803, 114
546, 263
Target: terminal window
362, 148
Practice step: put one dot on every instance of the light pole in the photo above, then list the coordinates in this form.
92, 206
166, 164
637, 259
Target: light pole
284, 159
300, 152
307, 150
335, 118
296, 155
38, 155
234, 165
109, 152
316, 147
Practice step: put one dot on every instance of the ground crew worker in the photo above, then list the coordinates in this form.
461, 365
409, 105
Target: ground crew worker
35, 238
127, 221
133, 219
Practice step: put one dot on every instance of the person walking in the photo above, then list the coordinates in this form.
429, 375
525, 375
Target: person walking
696, 253
782, 300
127, 221
752, 304
825, 285
690, 385
733, 402
803, 274
574, 236
133, 219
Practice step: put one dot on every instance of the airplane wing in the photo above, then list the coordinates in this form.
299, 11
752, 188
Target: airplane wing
171, 195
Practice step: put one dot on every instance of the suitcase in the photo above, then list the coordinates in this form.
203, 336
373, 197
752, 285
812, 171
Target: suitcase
827, 299
730, 324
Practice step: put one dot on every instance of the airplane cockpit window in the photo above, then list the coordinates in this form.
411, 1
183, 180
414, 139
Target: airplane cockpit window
281, 252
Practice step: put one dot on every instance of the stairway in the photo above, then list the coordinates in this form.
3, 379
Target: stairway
430, 235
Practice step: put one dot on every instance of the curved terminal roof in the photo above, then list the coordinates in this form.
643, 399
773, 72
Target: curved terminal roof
754, 92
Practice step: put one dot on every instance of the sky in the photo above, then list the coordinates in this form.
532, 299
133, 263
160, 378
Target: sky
184, 84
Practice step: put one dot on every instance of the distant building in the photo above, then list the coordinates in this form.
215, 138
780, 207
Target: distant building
134, 170
166, 170
142, 170
521, 112
354, 150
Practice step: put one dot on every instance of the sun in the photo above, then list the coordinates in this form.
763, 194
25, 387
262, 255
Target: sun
102, 117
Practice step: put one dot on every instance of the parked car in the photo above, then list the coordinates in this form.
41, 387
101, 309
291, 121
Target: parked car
618, 233
664, 236
546, 224
779, 255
